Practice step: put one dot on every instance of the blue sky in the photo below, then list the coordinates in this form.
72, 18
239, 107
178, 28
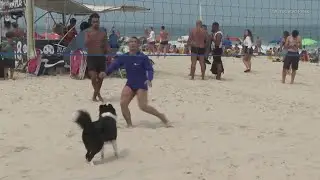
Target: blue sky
226, 12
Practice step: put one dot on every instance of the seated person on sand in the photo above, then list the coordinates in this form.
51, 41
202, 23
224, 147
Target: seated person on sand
186, 49
175, 49
269, 53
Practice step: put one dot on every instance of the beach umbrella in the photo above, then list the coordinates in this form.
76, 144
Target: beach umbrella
308, 42
234, 39
227, 42
276, 41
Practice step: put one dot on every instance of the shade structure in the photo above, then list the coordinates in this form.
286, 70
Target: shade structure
308, 42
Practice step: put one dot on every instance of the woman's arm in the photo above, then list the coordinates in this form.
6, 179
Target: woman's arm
116, 64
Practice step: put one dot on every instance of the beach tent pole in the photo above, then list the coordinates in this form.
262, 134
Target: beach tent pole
30, 29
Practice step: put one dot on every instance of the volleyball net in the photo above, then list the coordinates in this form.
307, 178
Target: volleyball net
266, 19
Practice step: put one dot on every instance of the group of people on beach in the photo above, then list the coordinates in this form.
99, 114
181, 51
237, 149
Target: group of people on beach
139, 68
164, 38
202, 43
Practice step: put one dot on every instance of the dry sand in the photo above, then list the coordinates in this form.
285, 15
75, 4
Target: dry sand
248, 126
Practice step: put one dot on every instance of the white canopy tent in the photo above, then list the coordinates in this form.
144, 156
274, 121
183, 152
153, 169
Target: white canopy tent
76, 8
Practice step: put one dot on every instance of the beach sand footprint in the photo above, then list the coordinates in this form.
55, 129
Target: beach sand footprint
20, 149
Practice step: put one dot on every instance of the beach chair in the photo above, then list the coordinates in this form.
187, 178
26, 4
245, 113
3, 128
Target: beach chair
78, 64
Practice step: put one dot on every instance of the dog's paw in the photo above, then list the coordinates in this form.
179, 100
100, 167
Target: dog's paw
116, 155
91, 163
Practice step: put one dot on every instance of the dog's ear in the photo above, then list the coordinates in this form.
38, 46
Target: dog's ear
102, 105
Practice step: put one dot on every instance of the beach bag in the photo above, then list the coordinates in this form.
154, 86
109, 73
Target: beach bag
78, 64
34, 64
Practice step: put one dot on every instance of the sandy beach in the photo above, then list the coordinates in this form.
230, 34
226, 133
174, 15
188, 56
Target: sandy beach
246, 127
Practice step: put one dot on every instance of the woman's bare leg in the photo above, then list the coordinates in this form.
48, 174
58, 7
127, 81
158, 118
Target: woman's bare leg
249, 61
126, 97
142, 97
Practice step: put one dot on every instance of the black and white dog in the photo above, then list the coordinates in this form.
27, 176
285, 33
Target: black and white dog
96, 133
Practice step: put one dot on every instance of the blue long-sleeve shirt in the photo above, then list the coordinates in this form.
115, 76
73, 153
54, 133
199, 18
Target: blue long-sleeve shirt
138, 68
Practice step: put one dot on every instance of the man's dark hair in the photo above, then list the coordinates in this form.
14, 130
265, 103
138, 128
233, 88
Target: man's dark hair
84, 26
94, 15
286, 33
73, 21
162, 27
10, 35
15, 25
295, 33
215, 24
135, 37
151, 28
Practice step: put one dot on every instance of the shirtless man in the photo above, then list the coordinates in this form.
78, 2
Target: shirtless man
96, 43
164, 41
197, 39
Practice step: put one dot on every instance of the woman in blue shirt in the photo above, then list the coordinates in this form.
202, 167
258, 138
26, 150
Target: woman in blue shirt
139, 76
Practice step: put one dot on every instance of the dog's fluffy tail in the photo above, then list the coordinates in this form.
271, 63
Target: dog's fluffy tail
82, 118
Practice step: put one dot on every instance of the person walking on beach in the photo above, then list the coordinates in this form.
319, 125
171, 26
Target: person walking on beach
197, 39
248, 51
217, 66
164, 42
283, 49
97, 47
151, 41
293, 44
208, 45
8, 55
139, 77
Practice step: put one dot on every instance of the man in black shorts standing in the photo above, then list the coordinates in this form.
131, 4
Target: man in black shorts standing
197, 39
97, 46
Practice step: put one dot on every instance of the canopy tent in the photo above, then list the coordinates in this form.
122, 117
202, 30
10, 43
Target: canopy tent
309, 42
76, 8
65, 7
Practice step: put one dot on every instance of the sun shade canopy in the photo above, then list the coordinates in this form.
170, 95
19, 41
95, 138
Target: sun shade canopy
67, 7
76, 8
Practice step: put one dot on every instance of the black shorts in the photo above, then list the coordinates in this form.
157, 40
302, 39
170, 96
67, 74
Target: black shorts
216, 55
96, 63
9, 63
248, 50
198, 50
291, 59
164, 42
